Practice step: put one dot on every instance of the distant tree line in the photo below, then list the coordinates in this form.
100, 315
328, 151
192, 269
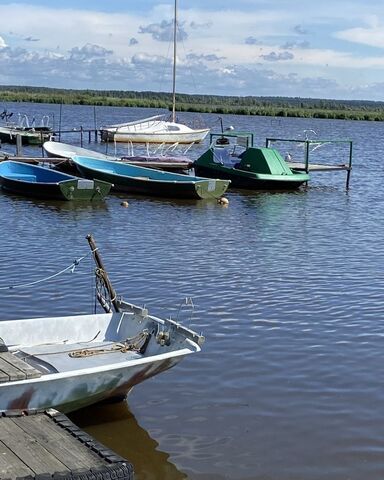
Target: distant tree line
249, 105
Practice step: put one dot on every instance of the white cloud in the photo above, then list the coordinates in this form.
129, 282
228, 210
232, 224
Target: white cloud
371, 35
225, 50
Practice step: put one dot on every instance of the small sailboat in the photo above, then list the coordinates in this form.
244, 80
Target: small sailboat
157, 129
147, 181
153, 130
40, 182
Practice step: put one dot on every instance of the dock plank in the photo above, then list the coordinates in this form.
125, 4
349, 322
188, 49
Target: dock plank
58, 443
10, 464
25, 447
40, 445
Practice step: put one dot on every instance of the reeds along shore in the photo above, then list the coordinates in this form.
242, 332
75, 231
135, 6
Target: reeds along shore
250, 105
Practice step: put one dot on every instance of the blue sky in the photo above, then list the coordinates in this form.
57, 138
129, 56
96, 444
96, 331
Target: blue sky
296, 48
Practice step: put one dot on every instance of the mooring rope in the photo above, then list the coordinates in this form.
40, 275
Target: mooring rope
71, 267
135, 344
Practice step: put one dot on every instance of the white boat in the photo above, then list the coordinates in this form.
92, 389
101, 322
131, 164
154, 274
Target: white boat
65, 150
161, 158
156, 129
153, 130
74, 361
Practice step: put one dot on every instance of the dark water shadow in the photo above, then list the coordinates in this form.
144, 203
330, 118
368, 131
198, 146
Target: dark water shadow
114, 425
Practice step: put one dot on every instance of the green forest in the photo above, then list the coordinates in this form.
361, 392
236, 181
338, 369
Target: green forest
248, 105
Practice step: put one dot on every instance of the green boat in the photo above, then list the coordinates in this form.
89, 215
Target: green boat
247, 167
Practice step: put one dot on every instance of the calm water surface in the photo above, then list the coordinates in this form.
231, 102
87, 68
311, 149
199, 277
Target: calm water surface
287, 289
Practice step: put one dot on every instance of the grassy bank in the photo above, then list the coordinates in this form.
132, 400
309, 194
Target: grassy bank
266, 106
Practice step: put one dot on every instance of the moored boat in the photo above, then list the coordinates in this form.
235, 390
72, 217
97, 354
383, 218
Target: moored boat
74, 361
40, 182
247, 167
157, 129
153, 130
135, 179
163, 160
29, 133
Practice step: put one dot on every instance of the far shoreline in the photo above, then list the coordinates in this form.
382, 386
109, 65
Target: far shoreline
214, 104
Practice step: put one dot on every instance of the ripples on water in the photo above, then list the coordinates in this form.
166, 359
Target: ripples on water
287, 289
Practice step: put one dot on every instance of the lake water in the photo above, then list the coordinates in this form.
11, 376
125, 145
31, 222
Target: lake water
287, 288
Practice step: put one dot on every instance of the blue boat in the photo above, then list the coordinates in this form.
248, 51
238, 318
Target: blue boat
148, 181
40, 182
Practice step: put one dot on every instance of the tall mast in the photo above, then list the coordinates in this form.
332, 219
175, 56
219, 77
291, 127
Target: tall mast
174, 64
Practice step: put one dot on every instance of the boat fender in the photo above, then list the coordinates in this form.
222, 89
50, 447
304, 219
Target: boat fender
223, 201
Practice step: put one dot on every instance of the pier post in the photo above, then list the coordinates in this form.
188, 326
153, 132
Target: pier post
19, 146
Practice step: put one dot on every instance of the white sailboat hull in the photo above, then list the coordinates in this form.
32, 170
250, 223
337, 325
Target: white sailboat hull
153, 130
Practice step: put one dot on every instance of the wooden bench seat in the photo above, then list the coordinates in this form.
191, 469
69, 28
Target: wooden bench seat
13, 368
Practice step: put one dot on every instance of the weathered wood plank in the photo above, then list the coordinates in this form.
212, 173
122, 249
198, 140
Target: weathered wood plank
58, 442
49, 445
11, 466
33, 454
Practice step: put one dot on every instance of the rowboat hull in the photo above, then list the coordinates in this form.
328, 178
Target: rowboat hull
146, 181
38, 182
64, 369
67, 392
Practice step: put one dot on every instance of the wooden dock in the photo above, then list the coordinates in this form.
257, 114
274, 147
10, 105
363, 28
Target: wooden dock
46, 445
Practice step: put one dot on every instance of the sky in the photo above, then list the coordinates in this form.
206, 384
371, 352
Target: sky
291, 48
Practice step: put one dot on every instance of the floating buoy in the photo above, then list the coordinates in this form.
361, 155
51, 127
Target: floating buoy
223, 201
124, 204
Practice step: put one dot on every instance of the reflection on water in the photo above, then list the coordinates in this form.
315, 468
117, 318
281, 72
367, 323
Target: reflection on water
115, 426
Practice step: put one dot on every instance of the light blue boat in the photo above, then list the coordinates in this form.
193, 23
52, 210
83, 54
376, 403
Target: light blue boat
148, 181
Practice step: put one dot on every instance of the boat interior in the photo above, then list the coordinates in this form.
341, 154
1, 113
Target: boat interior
64, 344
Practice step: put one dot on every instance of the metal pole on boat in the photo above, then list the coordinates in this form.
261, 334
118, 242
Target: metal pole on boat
100, 266
174, 65
307, 156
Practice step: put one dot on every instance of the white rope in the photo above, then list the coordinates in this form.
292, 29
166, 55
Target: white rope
70, 267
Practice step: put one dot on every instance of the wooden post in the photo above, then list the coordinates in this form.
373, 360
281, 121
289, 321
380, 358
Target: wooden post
19, 145
60, 112
349, 166
100, 265
95, 122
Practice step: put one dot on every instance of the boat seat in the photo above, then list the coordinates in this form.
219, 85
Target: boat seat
22, 176
13, 368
